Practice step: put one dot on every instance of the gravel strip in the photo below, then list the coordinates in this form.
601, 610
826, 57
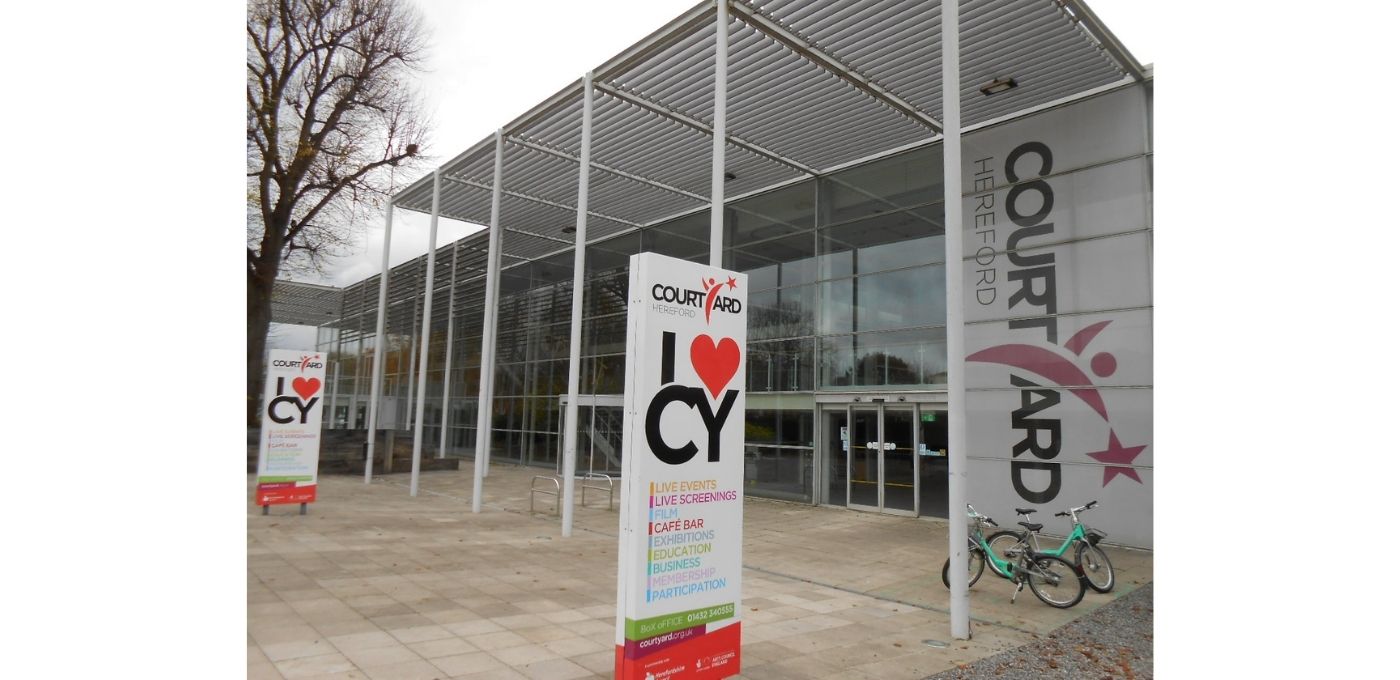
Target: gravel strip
1115, 641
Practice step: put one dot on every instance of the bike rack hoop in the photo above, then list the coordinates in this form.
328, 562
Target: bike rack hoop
596, 481
556, 492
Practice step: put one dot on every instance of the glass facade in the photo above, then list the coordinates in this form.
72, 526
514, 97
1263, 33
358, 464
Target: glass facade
846, 295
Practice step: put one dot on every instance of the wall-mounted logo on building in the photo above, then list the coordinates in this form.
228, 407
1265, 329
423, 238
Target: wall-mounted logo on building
1032, 278
1062, 371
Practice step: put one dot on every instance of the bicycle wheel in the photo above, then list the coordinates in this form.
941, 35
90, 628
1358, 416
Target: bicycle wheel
1002, 541
976, 562
1055, 581
1098, 571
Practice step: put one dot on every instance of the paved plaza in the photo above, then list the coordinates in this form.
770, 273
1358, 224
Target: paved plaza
373, 583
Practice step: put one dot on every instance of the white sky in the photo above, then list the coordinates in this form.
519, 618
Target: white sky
489, 63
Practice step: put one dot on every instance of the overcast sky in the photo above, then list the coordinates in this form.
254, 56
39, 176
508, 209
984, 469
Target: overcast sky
490, 62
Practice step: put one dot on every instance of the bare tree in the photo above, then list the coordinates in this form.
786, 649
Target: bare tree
330, 115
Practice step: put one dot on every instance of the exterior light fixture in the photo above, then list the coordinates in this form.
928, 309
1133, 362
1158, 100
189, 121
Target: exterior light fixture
729, 175
998, 85
569, 230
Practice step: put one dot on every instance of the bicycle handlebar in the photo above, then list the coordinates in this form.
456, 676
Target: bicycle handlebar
1088, 506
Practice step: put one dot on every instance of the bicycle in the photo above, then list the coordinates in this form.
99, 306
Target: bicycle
1053, 579
1091, 560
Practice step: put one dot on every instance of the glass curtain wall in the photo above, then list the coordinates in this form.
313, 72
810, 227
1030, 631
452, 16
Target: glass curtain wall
846, 294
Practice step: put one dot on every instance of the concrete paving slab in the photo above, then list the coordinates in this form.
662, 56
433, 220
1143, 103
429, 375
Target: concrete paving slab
373, 583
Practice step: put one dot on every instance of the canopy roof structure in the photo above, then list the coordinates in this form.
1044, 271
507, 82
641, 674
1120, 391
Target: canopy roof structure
306, 304
812, 87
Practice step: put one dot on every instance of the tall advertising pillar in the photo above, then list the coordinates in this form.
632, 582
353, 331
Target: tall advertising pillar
680, 529
290, 446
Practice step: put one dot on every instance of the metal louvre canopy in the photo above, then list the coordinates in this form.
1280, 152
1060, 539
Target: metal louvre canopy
813, 85
305, 304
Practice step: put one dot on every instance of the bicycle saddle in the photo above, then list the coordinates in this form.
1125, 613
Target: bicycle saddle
1024, 511
1031, 527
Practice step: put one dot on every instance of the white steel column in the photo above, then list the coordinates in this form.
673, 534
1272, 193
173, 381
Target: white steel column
576, 316
412, 359
423, 333
488, 330
377, 381
957, 406
335, 384
354, 415
447, 356
717, 154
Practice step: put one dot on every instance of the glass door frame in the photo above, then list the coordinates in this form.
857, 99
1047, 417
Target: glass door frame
915, 405
592, 401
879, 408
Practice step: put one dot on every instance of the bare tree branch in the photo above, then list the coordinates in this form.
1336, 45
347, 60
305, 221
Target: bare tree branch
329, 118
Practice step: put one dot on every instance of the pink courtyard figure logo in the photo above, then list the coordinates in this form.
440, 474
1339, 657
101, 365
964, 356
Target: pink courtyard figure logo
1053, 365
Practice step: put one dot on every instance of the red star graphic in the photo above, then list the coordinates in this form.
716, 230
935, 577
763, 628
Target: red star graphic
1119, 457
732, 283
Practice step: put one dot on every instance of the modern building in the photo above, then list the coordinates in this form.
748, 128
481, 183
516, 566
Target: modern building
834, 208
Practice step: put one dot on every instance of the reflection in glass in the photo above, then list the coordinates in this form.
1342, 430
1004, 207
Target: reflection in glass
838, 448
899, 459
865, 457
911, 357
933, 463
781, 366
778, 472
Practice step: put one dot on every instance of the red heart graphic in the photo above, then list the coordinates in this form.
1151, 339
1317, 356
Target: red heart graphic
715, 363
306, 387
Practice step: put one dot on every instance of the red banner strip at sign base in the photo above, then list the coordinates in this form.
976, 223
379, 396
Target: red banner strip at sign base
710, 656
285, 493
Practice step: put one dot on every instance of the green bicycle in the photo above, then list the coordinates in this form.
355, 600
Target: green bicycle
1053, 579
1088, 556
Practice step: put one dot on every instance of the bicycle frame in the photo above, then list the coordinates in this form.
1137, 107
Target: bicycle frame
1076, 535
1003, 568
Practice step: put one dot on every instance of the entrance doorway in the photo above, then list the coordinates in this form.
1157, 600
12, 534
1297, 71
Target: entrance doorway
599, 434
889, 458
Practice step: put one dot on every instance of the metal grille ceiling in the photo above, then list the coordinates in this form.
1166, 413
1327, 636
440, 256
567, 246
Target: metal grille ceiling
305, 304
813, 85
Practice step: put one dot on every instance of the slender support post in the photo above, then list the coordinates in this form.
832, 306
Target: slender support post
423, 334
447, 353
717, 155
377, 382
488, 330
354, 416
412, 360
957, 387
335, 381
576, 317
